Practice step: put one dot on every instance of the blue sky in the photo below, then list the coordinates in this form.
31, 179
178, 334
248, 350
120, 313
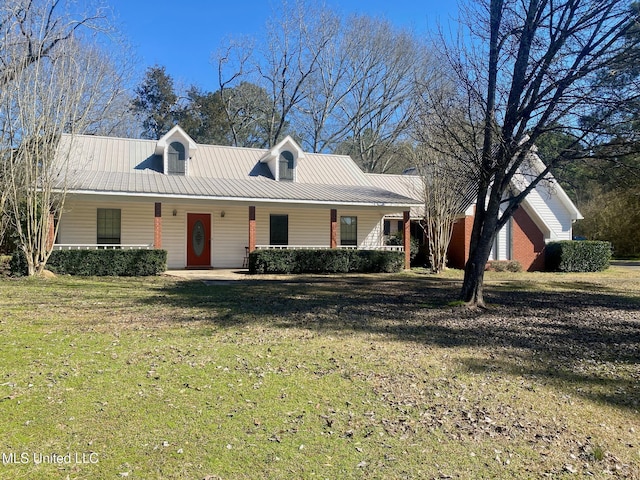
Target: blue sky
185, 50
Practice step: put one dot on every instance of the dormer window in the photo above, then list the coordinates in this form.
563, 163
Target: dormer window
286, 166
176, 149
284, 160
177, 159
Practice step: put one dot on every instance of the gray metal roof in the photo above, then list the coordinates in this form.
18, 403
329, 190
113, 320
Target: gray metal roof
126, 166
408, 185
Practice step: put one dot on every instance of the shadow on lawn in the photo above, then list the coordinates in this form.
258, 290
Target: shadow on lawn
553, 331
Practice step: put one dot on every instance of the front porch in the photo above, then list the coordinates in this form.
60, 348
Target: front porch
220, 234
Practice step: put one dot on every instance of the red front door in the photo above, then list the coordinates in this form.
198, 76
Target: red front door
198, 240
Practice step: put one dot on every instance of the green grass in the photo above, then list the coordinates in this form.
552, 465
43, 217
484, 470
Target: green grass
321, 377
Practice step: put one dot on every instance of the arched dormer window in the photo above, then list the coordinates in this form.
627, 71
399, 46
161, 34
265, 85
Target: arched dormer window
286, 166
176, 149
177, 158
284, 160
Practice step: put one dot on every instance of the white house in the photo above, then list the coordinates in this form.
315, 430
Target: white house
209, 205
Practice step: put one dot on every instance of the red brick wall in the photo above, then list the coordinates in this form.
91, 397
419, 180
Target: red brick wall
458, 251
528, 242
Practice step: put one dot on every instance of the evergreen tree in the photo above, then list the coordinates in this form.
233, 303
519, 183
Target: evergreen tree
156, 102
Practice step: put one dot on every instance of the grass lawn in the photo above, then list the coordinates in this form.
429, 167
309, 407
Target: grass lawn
339, 377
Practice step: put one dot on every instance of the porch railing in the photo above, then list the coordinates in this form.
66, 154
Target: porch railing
389, 248
102, 246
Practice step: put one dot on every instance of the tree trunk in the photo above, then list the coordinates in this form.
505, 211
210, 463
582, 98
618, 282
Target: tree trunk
472, 286
480, 249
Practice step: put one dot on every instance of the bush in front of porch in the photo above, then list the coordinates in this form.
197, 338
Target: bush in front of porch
325, 261
101, 263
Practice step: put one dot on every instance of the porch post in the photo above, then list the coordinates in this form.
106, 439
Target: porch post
157, 226
333, 229
406, 226
252, 228
51, 231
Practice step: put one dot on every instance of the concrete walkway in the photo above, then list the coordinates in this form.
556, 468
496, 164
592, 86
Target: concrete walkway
632, 264
212, 274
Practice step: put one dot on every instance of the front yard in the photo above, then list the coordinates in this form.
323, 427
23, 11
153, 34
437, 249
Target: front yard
377, 376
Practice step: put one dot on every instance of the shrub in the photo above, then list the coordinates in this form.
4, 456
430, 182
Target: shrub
271, 261
5, 265
504, 266
18, 264
123, 263
398, 239
578, 256
325, 261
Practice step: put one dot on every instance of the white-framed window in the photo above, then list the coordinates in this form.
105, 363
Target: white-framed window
109, 226
287, 165
349, 231
177, 159
278, 229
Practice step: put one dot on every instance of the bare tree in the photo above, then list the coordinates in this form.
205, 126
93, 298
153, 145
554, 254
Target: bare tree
281, 67
335, 83
447, 191
65, 87
446, 142
528, 66
383, 66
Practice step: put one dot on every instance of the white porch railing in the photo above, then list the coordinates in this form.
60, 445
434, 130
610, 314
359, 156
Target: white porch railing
390, 248
101, 246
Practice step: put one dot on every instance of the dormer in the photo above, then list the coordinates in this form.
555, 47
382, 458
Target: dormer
282, 160
176, 149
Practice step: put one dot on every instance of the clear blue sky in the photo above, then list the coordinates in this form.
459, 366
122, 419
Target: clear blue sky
182, 35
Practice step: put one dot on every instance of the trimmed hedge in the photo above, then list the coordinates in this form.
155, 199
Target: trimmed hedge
325, 261
101, 263
503, 266
577, 256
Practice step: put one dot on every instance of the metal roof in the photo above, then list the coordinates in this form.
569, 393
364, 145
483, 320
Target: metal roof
409, 185
106, 165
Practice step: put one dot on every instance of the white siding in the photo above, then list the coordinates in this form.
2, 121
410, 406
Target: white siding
174, 234
230, 236
503, 241
553, 213
311, 226
308, 226
79, 221
370, 227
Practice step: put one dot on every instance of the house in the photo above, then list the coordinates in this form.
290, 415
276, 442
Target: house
546, 214
208, 205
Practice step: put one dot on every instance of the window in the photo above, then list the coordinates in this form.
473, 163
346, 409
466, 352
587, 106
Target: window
279, 230
177, 159
109, 226
286, 166
349, 231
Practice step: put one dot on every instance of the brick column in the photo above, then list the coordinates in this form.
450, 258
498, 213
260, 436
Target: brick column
157, 226
51, 231
406, 228
333, 229
252, 228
